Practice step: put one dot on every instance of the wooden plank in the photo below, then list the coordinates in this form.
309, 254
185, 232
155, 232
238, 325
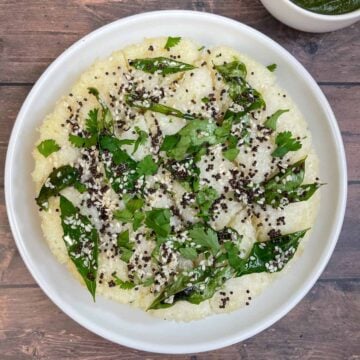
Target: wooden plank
27, 47
344, 263
32, 327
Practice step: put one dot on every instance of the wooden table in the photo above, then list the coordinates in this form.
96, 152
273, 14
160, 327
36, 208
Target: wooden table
325, 325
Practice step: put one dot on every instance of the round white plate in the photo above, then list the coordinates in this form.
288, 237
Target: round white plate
121, 323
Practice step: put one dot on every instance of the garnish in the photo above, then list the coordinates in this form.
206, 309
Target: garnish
138, 101
125, 246
58, 180
270, 256
286, 187
204, 199
131, 213
81, 240
141, 140
234, 74
158, 219
272, 67
171, 42
125, 285
285, 143
271, 121
191, 138
202, 282
160, 65
146, 166
47, 147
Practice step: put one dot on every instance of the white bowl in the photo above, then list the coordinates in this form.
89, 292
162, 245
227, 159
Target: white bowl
122, 323
304, 20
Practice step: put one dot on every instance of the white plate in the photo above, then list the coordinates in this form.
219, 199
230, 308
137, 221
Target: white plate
121, 323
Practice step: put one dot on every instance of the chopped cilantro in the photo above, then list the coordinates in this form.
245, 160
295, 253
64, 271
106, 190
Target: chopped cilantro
141, 140
285, 143
272, 67
125, 285
205, 237
188, 253
204, 199
158, 219
147, 166
47, 147
171, 42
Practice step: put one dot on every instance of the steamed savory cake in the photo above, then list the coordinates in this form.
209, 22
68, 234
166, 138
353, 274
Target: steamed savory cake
175, 178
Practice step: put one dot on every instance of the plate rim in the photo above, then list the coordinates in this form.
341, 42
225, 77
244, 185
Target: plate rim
204, 346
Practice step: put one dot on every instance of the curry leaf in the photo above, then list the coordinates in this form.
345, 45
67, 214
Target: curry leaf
125, 285
160, 65
188, 253
147, 166
234, 74
205, 236
205, 199
138, 101
81, 240
58, 180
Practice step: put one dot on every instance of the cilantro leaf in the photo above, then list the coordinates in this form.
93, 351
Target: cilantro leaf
141, 140
131, 206
190, 138
147, 166
285, 143
272, 120
231, 154
205, 236
160, 65
125, 246
171, 42
125, 285
204, 199
188, 253
82, 142
106, 121
47, 147
272, 67
92, 123
158, 219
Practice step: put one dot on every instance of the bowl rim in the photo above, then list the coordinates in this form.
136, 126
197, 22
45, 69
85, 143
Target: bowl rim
316, 16
138, 343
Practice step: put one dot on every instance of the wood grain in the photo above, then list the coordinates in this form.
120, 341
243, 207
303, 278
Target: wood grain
316, 329
325, 325
37, 35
